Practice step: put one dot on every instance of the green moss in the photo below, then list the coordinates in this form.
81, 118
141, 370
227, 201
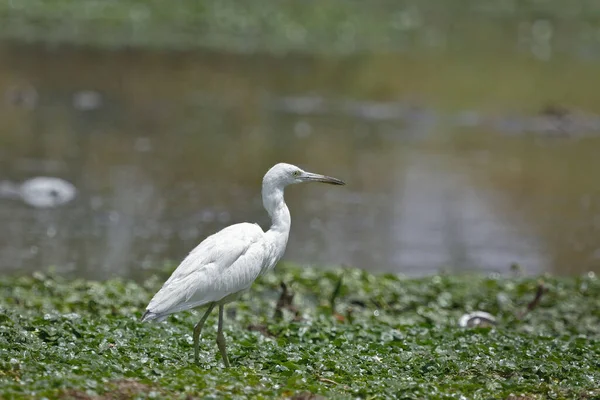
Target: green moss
389, 336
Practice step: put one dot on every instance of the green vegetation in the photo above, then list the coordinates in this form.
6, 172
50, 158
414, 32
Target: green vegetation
388, 337
336, 26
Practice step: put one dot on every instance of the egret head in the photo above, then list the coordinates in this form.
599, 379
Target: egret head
283, 174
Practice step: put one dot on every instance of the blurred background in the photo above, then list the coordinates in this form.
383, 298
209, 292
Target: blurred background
467, 131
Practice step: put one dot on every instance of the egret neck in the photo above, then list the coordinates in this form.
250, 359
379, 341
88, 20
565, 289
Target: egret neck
274, 203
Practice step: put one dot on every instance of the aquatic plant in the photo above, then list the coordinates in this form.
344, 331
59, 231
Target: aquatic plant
340, 333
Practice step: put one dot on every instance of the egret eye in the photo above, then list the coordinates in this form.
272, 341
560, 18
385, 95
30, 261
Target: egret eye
297, 173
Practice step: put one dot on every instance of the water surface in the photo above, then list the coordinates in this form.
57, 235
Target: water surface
451, 162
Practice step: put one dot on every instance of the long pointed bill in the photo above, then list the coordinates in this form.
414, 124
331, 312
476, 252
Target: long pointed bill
310, 177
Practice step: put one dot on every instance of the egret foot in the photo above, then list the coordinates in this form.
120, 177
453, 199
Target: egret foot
221, 339
197, 330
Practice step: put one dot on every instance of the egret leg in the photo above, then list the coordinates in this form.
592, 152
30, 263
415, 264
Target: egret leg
221, 338
197, 330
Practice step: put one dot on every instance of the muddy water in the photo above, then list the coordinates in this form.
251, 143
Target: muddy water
451, 163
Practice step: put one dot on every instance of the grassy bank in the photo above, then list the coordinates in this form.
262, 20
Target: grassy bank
387, 337
331, 27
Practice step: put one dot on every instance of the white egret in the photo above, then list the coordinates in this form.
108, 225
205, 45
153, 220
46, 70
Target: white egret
225, 264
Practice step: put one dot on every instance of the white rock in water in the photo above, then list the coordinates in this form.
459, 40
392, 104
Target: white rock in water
46, 192
476, 318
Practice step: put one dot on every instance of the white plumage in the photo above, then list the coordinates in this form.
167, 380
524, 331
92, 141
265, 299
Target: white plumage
228, 261
225, 264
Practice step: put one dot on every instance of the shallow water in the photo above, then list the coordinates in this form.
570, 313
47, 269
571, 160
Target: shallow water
451, 163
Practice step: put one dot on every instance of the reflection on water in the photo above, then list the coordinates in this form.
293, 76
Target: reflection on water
442, 219
165, 149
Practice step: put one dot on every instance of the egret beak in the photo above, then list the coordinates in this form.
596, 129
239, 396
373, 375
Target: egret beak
310, 177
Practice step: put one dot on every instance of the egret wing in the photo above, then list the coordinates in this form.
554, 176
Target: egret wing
223, 264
